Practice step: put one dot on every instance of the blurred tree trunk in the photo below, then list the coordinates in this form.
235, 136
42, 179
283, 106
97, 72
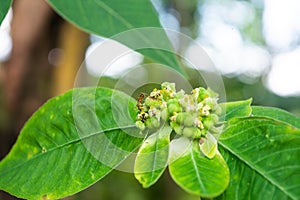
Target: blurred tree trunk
27, 66
30, 76
74, 43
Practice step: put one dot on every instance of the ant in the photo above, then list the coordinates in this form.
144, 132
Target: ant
139, 105
140, 101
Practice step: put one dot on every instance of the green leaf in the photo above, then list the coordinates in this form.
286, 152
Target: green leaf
107, 17
276, 113
210, 146
5, 5
54, 157
263, 156
152, 158
236, 109
197, 174
111, 17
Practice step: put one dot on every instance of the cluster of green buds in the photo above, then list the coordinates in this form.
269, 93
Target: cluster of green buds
190, 115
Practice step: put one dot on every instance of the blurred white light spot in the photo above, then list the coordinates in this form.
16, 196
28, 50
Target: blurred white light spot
55, 56
224, 43
224, 36
281, 22
197, 56
284, 78
5, 39
236, 13
5, 45
254, 60
239, 58
110, 58
250, 60
240, 13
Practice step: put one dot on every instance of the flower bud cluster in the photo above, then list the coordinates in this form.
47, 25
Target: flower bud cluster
191, 115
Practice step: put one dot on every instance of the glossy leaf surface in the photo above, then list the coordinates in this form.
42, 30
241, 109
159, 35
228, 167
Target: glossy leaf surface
210, 146
263, 157
152, 158
5, 4
53, 156
236, 109
276, 113
198, 174
109, 18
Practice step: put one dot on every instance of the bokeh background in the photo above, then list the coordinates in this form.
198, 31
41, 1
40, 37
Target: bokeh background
254, 44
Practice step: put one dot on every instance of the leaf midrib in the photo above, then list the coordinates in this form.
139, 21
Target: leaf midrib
66, 144
196, 169
117, 16
251, 165
114, 14
256, 170
155, 155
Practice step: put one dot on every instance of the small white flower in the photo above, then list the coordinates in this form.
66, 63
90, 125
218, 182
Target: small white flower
155, 94
195, 93
172, 94
205, 110
173, 118
152, 111
198, 123
190, 108
199, 106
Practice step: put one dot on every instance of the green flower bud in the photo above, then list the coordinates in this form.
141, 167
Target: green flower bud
173, 124
178, 129
198, 134
165, 114
140, 125
208, 123
189, 120
214, 118
173, 101
168, 86
180, 118
148, 122
152, 102
154, 123
173, 106
148, 102
203, 94
185, 118
191, 132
